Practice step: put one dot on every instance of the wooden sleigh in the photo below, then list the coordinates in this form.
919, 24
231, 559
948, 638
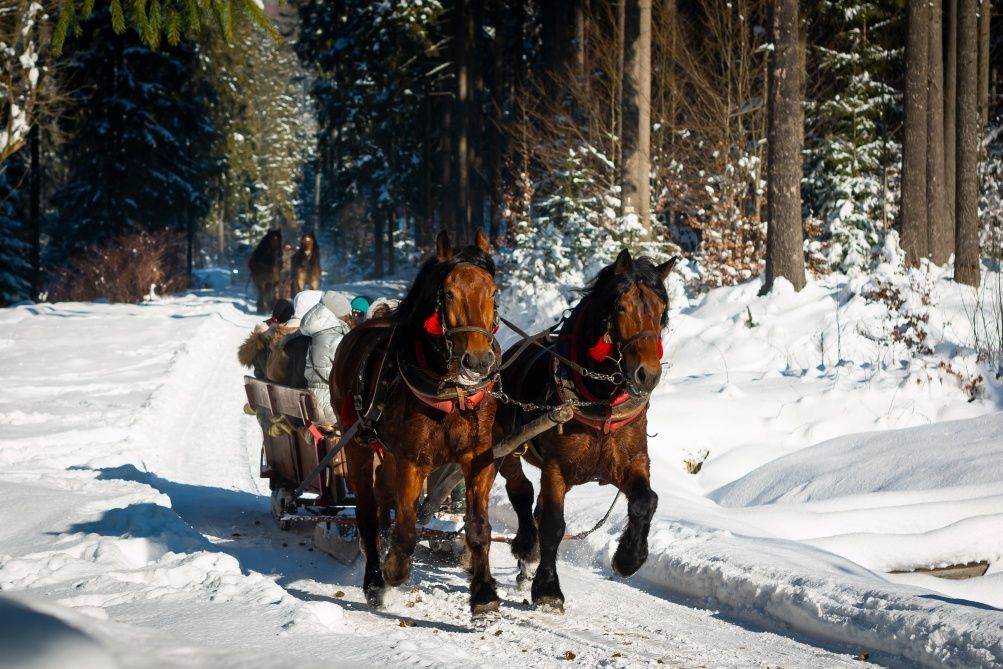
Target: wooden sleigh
308, 476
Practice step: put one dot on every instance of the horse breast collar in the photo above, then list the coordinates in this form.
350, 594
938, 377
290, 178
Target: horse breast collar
436, 390
603, 415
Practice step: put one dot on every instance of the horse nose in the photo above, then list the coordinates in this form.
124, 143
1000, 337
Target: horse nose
646, 379
480, 362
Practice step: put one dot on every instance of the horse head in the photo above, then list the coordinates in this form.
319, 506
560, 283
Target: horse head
629, 312
275, 240
468, 307
453, 301
307, 242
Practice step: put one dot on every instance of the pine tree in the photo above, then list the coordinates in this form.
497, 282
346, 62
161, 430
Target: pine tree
636, 111
159, 21
140, 135
14, 268
852, 117
914, 207
966, 241
264, 133
371, 62
785, 235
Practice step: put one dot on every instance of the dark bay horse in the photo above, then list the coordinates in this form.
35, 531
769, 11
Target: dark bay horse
442, 356
305, 270
614, 338
266, 270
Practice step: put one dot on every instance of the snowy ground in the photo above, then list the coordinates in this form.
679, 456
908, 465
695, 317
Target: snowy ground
136, 531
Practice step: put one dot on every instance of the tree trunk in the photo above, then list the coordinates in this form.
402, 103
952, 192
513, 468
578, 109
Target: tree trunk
950, 104
914, 229
464, 62
937, 222
966, 248
784, 235
423, 228
378, 240
985, 14
35, 212
636, 106
391, 229
578, 33
447, 189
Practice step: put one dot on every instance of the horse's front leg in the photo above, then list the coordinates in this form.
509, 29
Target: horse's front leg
635, 483
525, 546
360, 472
479, 471
410, 476
546, 587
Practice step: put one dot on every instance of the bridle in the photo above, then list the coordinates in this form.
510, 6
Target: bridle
448, 333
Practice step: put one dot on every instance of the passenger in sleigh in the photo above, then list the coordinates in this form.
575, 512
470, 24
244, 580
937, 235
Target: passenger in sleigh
326, 323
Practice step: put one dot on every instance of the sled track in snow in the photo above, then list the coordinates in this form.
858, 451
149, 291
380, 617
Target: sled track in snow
606, 622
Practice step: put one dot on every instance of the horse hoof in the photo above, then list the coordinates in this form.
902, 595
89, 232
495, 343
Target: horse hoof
552, 603
547, 593
483, 597
626, 564
396, 570
374, 595
525, 547
484, 608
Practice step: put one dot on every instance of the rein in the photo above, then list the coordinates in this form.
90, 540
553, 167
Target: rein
603, 415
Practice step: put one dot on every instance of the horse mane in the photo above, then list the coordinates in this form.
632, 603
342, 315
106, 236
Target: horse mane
263, 251
607, 286
420, 301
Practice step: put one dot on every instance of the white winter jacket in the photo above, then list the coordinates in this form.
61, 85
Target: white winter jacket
326, 331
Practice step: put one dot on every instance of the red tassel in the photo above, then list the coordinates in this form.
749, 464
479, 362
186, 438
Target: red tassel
601, 350
660, 350
432, 325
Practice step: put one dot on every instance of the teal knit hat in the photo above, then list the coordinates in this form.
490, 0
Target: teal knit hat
360, 305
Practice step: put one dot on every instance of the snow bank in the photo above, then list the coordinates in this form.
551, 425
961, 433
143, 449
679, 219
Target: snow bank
839, 450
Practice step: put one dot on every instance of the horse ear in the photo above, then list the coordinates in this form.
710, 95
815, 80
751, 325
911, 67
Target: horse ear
624, 263
443, 249
483, 243
666, 267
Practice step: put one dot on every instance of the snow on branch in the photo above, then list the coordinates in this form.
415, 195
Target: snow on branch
20, 25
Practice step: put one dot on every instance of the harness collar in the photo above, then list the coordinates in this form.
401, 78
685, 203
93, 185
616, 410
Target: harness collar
609, 414
436, 390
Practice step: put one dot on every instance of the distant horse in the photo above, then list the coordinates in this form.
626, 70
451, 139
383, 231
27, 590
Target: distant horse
266, 270
442, 357
306, 265
613, 339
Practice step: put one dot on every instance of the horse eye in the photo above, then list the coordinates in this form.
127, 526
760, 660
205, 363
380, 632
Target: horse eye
621, 309
449, 296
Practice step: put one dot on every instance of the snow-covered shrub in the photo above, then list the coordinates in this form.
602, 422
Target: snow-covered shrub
991, 192
573, 232
129, 268
908, 296
987, 322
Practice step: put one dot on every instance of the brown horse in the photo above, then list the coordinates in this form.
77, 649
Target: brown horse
266, 270
442, 355
306, 265
613, 339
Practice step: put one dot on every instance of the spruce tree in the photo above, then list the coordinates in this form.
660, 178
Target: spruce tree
140, 135
851, 120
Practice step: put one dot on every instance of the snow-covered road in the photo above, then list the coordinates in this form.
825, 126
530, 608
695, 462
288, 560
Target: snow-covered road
136, 533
